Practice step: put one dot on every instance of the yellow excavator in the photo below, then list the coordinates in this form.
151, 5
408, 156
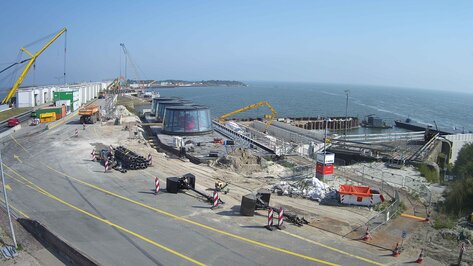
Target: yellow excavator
269, 117
11, 93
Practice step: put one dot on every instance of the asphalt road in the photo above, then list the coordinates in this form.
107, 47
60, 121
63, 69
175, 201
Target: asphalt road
117, 220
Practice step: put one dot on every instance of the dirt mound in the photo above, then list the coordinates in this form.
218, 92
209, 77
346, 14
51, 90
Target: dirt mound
242, 161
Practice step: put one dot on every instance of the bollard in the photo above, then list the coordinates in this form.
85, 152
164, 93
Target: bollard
215, 200
157, 186
93, 155
281, 219
269, 226
76, 134
150, 159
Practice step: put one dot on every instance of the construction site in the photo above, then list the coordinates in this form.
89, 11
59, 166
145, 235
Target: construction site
106, 173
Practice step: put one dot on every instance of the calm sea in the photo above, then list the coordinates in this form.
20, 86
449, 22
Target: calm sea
448, 109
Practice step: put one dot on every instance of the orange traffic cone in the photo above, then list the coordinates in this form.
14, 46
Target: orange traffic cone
367, 235
420, 260
396, 251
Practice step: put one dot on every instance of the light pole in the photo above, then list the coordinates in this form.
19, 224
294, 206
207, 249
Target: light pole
347, 92
6, 203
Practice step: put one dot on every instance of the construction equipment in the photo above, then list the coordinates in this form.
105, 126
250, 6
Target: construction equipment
89, 114
187, 181
221, 187
11, 93
260, 201
135, 67
269, 118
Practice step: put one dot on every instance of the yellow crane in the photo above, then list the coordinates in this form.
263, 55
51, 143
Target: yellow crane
269, 118
32, 60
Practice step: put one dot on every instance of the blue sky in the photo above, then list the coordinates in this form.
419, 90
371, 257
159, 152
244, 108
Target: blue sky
424, 44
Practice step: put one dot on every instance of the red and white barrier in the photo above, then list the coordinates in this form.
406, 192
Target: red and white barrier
76, 134
150, 159
110, 149
269, 226
106, 165
215, 200
93, 155
280, 218
156, 186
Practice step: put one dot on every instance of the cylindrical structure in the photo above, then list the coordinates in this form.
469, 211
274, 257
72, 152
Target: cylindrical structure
157, 100
187, 120
162, 106
248, 205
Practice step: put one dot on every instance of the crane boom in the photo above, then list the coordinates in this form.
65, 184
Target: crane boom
22, 76
269, 118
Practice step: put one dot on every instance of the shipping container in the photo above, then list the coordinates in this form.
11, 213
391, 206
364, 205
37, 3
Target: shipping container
61, 110
65, 103
71, 96
47, 117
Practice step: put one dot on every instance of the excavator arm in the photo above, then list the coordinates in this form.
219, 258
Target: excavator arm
269, 117
28, 66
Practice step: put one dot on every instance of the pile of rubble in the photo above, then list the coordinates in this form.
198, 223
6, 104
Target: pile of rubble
243, 161
311, 188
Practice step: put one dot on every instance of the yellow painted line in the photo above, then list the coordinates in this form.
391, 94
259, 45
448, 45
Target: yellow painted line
7, 186
15, 209
46, 193
17, 158
254, 242
64, 120
412, 216
331, 248
11, 136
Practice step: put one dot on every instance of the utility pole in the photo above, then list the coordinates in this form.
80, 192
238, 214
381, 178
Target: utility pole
6, 203
347, 92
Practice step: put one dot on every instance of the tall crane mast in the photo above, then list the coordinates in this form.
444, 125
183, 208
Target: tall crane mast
128, 57
13, 90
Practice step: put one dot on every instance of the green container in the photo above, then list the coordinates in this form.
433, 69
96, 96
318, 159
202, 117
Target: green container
38, 112
65, 95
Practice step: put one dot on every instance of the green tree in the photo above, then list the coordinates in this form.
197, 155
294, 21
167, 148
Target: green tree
464, 164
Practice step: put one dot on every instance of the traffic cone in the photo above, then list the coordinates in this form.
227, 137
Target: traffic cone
396, 251
367, 235
420, 260
427, 219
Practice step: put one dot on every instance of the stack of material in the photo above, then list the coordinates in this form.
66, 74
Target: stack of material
311, 188
129, 159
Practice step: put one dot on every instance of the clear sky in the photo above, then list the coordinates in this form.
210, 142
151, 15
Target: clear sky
425, 44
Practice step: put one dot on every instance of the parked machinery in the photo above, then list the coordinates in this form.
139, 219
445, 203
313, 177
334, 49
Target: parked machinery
187, 181
89, 114
260, 201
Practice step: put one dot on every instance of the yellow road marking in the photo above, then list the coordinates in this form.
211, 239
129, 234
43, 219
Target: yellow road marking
11, 136
332, 248
412, 216
202, 225
63, 121
17, 158
15, 209
7, 186
46, 193
254, 242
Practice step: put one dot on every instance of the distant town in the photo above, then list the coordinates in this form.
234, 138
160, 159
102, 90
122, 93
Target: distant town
170, 83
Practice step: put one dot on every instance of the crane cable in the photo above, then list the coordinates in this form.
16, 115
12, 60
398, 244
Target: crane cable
65, 50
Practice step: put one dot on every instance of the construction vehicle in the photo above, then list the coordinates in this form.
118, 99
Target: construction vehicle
32, 60
269, 117
89, 114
